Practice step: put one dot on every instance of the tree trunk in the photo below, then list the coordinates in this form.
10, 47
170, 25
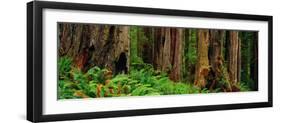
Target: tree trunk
202, 65
70, 39
176, 54
114, 53
96, 45
162, 49
168, 51
233, 57
74, 43
239, 61
216, 57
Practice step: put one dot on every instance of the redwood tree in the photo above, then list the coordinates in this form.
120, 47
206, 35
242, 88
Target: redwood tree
234, 58
168, 51
177, 53
216, 57
202, 65
95, 45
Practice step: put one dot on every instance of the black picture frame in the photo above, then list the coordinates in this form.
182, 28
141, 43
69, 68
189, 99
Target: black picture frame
35, 69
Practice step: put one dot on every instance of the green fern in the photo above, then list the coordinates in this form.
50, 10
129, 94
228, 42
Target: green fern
64, 65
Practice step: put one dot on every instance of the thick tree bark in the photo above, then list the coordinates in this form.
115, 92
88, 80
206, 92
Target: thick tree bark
216, 37
239, 61
215, 57
96, 45
233, 57
168, 51
114, 53
177, 53
70, 39
74, 43
202, 65
162, 49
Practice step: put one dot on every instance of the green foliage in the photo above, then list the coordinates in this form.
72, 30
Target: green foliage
164, 85
141, 81
243, 87
192, 48
134, 45
145, 89
64, 65
223, 80
141, 36
180, 88
137, 39
65, 89
96, 75
190, 54
247, 55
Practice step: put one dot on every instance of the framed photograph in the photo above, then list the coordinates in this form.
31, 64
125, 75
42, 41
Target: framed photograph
94, 61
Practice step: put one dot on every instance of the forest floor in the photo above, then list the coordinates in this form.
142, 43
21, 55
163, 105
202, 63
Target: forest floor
97, 82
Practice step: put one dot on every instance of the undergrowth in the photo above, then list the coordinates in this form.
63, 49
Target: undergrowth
142, 80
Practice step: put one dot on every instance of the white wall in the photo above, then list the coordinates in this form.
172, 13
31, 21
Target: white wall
13, 61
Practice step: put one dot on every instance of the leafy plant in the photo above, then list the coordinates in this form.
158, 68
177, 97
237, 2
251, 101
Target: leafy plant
64, 65
65, 89
180, 88
144, 90
142, 80
243, 87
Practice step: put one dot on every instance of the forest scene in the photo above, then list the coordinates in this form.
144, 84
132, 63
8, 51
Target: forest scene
98, 60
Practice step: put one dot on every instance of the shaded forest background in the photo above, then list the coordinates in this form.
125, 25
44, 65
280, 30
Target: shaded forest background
111, 60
